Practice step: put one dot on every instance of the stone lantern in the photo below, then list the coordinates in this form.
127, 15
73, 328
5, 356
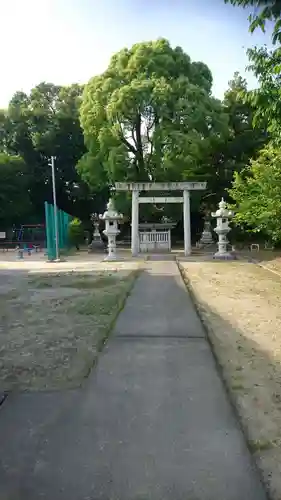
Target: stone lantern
206, 236
111, 218
96, 243
222, 229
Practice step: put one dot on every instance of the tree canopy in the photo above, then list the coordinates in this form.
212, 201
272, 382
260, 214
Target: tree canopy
256, 189
265, 100
242, 143
257, 193
14, 196
42, 124
150, 115
266, 65
264, 11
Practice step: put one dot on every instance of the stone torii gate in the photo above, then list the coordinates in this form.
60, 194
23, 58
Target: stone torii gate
136, 187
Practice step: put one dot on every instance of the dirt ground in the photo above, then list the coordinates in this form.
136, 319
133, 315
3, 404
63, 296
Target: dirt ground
240, 303
53, 324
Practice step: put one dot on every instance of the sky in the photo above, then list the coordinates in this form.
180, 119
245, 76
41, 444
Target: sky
67, 41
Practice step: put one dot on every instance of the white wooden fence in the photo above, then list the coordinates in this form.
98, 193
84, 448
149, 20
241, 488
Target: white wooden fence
150, 241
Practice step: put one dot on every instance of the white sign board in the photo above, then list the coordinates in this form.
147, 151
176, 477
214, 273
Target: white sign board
2, 235
160, 186
161, 199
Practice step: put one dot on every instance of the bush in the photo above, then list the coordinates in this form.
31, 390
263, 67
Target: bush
76, 233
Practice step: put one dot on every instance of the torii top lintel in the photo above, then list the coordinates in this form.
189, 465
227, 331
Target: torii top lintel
160, 186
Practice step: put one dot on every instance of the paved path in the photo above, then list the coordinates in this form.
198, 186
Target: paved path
152, 423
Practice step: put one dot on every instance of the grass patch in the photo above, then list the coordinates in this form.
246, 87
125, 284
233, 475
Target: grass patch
259, 445
56, 325
88, 284
41, 284
237, 387
95, 304
10, 295
71, 280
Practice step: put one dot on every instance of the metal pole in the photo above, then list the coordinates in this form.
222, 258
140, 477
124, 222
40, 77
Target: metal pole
135, 224
186, 222
55, 207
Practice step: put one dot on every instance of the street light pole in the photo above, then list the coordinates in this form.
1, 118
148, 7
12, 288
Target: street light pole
55, 207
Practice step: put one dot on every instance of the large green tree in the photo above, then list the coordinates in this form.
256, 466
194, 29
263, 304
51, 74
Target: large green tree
240, 145
265, 64
256, 190
265, 100
245, 139
150, 116
257, 194
46, 123
14, 191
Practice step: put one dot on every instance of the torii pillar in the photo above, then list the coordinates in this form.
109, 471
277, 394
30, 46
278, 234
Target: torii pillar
136, 187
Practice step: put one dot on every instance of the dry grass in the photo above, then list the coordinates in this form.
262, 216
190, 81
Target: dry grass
271, 260
53, 325
240, 305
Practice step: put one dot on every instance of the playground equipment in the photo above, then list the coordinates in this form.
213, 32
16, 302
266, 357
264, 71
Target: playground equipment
20, 252
31, 234
31, 238
22, 249
24, 239
63, 222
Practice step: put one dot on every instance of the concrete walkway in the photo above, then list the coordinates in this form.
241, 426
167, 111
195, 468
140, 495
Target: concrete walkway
152, 423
